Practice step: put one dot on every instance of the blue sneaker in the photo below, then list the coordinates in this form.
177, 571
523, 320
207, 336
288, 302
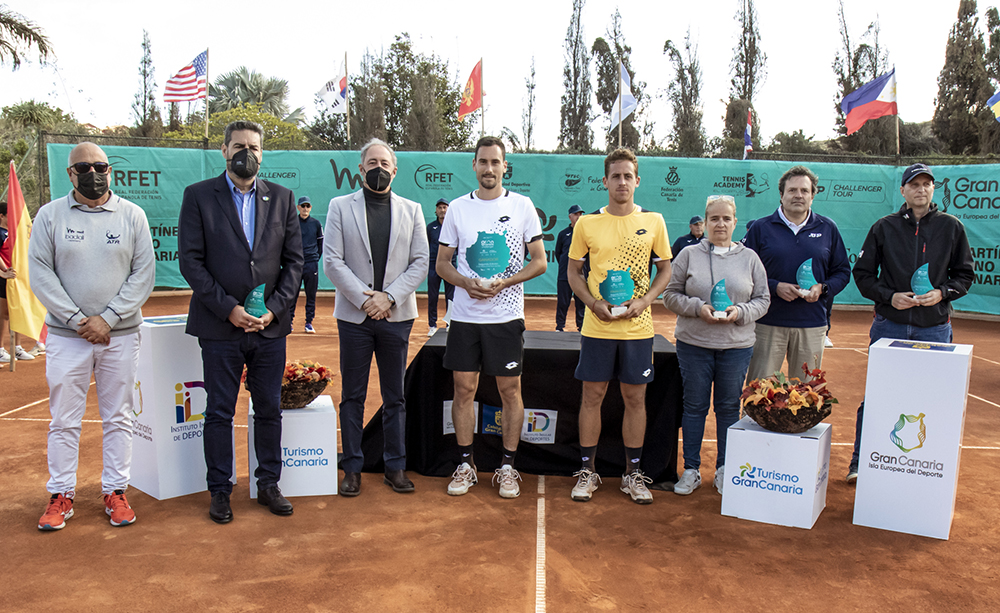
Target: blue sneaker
310, 329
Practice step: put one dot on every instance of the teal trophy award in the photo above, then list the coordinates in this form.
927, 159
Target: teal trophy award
804, 277
255, 302
720, 300
920, 282
488, 256
616, 288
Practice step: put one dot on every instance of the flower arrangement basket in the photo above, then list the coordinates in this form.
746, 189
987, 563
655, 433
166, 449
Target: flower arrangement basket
302, 382
788, 405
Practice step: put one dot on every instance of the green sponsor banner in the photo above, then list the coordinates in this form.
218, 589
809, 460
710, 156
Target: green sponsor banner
853, 195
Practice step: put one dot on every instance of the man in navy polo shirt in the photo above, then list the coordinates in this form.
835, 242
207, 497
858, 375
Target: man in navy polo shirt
563, 291
312, 247
697, 227
793, 236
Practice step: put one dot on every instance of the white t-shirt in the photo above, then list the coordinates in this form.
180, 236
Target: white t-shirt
490, 237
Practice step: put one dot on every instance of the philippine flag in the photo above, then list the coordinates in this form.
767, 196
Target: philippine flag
873, 99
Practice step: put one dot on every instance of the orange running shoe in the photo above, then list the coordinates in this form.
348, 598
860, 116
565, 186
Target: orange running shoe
59, 510
118, 508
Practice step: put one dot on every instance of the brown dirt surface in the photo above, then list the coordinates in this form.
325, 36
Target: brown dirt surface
427, 551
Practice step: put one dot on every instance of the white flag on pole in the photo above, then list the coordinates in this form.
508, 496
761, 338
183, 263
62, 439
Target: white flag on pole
628, 103
334, 92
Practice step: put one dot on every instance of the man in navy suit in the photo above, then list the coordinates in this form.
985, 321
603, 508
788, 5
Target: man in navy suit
236, 233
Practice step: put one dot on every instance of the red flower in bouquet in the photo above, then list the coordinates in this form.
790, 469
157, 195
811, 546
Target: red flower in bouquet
779, 392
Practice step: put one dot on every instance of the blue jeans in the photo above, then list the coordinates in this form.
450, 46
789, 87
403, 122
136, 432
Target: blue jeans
883, 328
700, 368
222, 366
389, 341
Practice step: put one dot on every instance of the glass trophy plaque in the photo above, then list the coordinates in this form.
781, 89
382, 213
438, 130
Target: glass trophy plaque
255, 302
720, 300
804, 277
920, 282
617, 288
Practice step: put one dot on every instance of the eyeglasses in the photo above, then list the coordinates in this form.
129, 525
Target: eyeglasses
83, 168
723, 197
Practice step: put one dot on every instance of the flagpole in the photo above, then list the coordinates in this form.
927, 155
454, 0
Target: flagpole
207, 81
619, 104
482, 106
897, 138
347, 99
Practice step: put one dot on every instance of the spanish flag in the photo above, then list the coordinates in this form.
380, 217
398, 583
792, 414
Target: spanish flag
27, 315
994, 104
472, 95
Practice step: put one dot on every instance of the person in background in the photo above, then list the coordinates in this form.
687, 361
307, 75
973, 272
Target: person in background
433, 279
563, 290
6, 272
312, 248
713, 351
697, 227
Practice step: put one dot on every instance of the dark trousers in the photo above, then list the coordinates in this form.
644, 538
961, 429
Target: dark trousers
389, 342
310, 278
223, 366
433, 283
562, 305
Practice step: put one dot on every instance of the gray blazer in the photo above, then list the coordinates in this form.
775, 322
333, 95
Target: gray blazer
347, 256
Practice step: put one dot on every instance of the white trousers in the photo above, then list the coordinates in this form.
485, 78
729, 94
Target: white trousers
69, 364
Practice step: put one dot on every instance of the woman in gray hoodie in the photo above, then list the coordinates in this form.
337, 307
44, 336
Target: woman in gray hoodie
714, 346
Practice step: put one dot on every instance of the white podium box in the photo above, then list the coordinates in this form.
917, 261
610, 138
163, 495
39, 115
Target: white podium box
168, 453
776, 478
911, 439
308, 450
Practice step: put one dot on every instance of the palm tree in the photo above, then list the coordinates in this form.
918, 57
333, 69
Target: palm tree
242, 86
17, 35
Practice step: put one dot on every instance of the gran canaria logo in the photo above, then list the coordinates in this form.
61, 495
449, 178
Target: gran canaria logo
897, 440
755, 477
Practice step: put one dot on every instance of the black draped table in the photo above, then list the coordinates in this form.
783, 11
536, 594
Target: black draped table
547, 383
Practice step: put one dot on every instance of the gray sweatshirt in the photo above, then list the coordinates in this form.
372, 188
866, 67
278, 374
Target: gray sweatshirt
694, 272
86, 262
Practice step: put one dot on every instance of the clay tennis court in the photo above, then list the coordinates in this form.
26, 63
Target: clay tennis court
427, 551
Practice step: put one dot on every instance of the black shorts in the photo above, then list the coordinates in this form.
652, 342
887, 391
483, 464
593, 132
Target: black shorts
602, 359
494, 349
3, 289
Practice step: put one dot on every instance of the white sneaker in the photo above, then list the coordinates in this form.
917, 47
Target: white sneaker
4, 356
852, 475
827, 342
508, 478
38, 349
585, 484
462, 479
21, 354
431, 332
690, 481
720, 478
634, 484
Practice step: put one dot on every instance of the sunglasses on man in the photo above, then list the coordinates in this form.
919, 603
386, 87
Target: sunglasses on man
83, 168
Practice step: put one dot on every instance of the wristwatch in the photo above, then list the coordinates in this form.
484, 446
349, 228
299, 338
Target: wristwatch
392, 300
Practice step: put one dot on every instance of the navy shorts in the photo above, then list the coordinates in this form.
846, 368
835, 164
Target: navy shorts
602, 359
495, 349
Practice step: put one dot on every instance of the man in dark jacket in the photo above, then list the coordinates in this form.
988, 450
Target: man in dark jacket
697, 231
793, 237
895, 248
236, 233
563, 290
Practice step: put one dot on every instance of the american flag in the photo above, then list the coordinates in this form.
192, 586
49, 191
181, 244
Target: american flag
190, 82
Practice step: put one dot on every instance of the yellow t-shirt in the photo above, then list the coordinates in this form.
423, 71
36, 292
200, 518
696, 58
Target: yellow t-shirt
622, 247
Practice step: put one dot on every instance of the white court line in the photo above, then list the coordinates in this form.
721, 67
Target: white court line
28, 406
540, 549
984, 400
986, 360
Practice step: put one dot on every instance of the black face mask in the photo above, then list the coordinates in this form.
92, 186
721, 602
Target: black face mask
378, 179
92, 185
244, 164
